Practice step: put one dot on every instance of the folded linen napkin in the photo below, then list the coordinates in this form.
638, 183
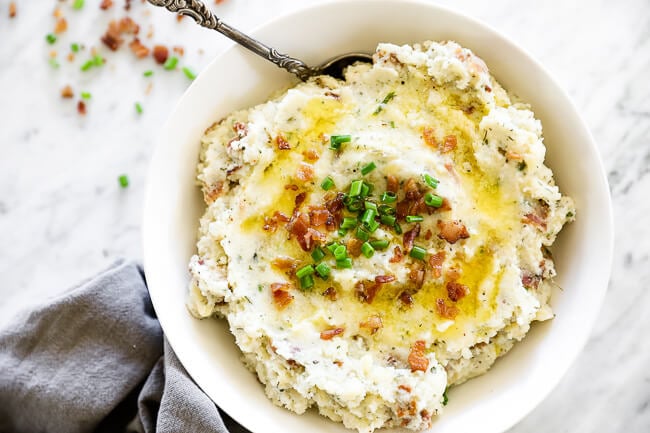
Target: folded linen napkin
96, 359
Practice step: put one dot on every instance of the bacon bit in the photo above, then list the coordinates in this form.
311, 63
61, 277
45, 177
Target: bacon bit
436, 260
449, 144
160, 54
106, 4
488, 89
456, 291
67, 92
333, 95
338, 363
404, 388
81, 108
406, 298
413, 407
330, 293
292, 187
279, 216
150, 32
328, 334
286, 264
514, 156
372, 323
270, 225
218, 2
281, 298
409, 237
70, 57
335, 207
179, 17
179, 50
58, 13
300, 198
280, 286
210, 193
12, 9
429, 137
299, 227
425, 415
311, 155
411, 189
282, 143
139, 49
53, 54
392, 184
531, 218
305, 172
384, 279
354, 247
530, 281
397, 255
428, 235
447, 311
416, 275
315, 235
128, 26
112, 38
452, 231
452, 274
367, 290
416, 359
61, 26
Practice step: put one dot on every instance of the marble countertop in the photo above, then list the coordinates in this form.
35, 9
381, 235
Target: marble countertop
63, 215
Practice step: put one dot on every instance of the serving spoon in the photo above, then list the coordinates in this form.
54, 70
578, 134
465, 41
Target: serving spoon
203, 16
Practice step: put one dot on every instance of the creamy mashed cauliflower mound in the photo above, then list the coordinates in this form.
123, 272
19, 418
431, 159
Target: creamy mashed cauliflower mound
374, 241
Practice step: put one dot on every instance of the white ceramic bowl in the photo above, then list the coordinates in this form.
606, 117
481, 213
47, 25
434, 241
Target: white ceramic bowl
237, 79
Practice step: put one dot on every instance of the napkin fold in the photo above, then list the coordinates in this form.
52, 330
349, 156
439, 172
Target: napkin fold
95, 359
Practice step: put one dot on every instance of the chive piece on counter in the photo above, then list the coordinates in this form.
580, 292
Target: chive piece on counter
418, 252
388, 197
138, 108
304, 271
370, 205
349, 223
86, 95
323, 270
123, 180
148, 73
318, 254
189, 73
340, 252
54, 63
414, 218
307, 282
337, 140
432, 200
355, 188
171, 63
367, 249
431, 181
87, 65
97, 60
380, 244
372, 226
78, 4
50, 38
344, 263
362, 234
327, 183
389, 220
368, 168
74, 47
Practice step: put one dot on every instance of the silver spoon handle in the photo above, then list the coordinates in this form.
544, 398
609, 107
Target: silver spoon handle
203, 16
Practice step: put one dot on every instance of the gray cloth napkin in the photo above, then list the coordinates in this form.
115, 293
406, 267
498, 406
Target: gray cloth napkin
95, 359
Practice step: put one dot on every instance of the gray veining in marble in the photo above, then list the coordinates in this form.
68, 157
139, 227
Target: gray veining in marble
64, 217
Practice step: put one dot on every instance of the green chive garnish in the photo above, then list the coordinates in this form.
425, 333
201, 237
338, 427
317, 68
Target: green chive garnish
323, 270
384, 209
431, 181
171, 63
385, 101
148, 73
307, 282
318, 254
344, 264
372, 226
432, 200
97, 60
368, 168
123, 180
337, 140
367, 249
189, 73
418, 252
87, 65
355, 188
332, 247
327, 183
366, 189
50, 38
349, 223
78, 4
388, 197
368, 215
342, 232
398, 229
54, 63
340, 252
138, 108
388, 220
86, 95
74, 47
362, 234
304, 271
370, 205
379, 244
414, 218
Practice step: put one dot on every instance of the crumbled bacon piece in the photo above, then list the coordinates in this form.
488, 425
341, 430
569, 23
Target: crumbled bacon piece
416, 274
446, 311
354, 247
397, 255
112, 38
428, 134
392, 184
128, 26
305, 172
67, 92
318, 217
335, 208
138, 48
514, 156
300, 199
409, 237
529, 280
61, 26
337, 362
311, 155
177, 49
12, 9
127, 5
279, 216
299, 227
404, 388
286, 264
282, 143
58, 13
406, 298
367, 290
456, 291
330, 293
452, 274
452, 172
488, 88
372, 323
292, 187
281, 297
81, 108
160, 53
280, 286
106, 4
328, 334
239, 128
531, 218
428, 235
417, 359
384, 279
211, 192
425, 415
411, 189
452, 231
436, 260
449, 144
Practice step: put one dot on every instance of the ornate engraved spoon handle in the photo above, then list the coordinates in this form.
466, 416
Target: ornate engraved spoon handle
197, 10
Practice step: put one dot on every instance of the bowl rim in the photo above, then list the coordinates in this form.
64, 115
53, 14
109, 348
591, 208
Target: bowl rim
542, 394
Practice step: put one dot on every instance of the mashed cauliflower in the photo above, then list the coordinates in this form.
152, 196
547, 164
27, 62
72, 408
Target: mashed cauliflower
373, 241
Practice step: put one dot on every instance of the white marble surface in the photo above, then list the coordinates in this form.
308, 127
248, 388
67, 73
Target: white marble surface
64, 217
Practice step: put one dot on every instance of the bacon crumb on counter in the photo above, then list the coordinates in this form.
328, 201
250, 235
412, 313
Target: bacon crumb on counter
81, 108
12, 9
160, 54
452, 231
282, 143
372, 323
67, 92
139, 49
58, 13
179, 50
112, 38
61, 26
328, 334
281, 297
416, 359
106, 4
446, 311
456, 291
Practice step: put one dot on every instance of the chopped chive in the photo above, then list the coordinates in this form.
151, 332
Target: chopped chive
367, 249
392, 124
368, 215
384, 209
123, 180
74, 47
362, 234
54, 63
86, 95
323, 270
138, 108
337, 140
87, 65
50, 38
388, 197
148, 73
327, 183
445, 399
78, 4
189, 73
418, 252
304, 271
414, 218
432, 200
260, 287
342, 232
355, 188
307, 282
385, 101
366, 189
368, 168
379, 244
332, 247
431, 181
389, 220
355, 205
348, 223
372, 226
344, 264
318, 254
370, 205
398, 229
171, 63
340, 252
97, 60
